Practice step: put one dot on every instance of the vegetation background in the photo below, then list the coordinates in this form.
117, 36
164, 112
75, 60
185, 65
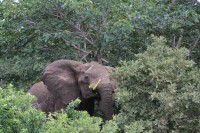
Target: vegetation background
154, 44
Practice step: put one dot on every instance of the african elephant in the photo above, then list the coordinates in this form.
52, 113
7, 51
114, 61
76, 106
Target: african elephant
67, 80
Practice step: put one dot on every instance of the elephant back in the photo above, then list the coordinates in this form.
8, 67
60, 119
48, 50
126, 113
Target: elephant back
44, 99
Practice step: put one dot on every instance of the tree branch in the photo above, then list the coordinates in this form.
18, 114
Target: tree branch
104, 60
194, 44
180, 39
84, 52
81, 33
74, 46
174, 42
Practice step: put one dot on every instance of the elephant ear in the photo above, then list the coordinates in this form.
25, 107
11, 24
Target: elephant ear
60, 78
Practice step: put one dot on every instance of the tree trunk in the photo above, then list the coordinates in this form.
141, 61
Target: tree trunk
99, 56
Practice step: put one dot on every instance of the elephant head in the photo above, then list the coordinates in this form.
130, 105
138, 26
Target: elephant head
70, 80
93, 78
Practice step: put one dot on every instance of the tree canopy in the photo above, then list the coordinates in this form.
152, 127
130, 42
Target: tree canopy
160, 90
34, 33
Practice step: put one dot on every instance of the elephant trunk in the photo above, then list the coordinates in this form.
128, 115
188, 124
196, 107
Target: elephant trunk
107, 101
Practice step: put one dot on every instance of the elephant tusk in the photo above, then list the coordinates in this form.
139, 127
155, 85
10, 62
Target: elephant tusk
94, 86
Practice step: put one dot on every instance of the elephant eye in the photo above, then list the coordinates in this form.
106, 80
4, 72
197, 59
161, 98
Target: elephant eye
86, 77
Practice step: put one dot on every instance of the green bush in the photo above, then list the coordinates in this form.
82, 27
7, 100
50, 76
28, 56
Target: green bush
18, 116
71, 121
110, 127
161, 88
136, 127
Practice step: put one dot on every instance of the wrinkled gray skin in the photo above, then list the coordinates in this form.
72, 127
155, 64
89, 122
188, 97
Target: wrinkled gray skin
67, 80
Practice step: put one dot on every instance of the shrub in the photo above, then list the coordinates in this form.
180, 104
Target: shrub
17, 114
72, 121
110, 127
161, 88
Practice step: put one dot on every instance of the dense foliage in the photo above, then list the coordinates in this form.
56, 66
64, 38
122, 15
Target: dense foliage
160, 90
18, 116
34, 33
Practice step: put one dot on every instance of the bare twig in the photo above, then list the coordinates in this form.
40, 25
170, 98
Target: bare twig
86, 52
104, 60
84, 57
74, 46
